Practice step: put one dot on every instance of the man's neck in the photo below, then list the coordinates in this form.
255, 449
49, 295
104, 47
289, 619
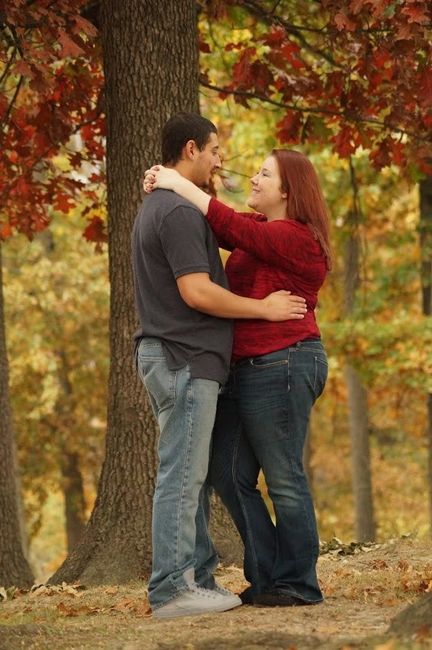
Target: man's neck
184, 169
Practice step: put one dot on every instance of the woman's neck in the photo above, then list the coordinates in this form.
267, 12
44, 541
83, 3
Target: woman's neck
276, 214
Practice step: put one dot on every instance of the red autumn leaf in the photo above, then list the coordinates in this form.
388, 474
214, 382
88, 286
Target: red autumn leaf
289, 127
425, 88
274, 37
380, 156
22, 187
397, 150
357, 5
96, 231
427, 120
344, 142
69, 46
381, 57
242, 71
378, 7
85, 25
290, 53
416, 14
204, 47
425, 167
342, 22
63, 203
262, 76
5, 231
22, 67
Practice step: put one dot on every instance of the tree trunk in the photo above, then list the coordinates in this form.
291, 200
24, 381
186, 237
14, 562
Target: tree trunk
360, 456
357, 395
74, 501
426, 280
413, 619
226, 538
14, 568
151, 72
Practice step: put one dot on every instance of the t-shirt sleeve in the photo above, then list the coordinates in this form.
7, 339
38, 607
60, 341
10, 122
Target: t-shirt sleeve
183, 236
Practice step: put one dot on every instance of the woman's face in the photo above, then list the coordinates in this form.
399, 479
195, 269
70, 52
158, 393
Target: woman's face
266, 195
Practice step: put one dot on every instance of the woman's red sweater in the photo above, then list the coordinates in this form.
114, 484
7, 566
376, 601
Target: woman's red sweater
268, 256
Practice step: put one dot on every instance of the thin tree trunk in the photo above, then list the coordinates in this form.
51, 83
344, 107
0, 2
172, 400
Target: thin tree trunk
14, 568
74, 501
151, 72
426, 280
357, 395
360, 456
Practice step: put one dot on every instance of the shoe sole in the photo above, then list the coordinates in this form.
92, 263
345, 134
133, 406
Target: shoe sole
223, 607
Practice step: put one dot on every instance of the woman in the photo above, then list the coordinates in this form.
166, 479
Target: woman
278, 371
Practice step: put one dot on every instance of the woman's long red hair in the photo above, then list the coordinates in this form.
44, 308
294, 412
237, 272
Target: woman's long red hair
305, 200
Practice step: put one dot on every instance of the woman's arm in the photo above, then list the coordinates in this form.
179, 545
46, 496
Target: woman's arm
284, 243
169, 179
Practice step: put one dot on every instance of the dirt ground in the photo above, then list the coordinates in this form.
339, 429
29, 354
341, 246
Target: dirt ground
367, 590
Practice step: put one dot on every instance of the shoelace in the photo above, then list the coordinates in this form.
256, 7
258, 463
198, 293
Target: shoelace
207, 593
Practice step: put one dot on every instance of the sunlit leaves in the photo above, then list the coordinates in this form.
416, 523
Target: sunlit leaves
363, 66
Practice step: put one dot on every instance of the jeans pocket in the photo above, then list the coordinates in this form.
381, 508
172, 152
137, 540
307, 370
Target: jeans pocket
158, 379
321, 372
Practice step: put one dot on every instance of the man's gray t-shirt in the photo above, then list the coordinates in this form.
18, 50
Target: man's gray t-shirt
171, 238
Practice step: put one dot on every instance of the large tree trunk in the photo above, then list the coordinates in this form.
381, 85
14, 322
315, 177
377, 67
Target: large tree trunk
426, 279
357, 395
14, 568
151, 72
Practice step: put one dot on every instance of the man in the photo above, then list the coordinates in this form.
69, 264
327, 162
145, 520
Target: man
183, 356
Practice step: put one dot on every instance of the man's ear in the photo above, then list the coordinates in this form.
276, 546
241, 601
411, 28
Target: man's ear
190, 149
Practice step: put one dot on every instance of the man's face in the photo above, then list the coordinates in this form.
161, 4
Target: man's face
206, 162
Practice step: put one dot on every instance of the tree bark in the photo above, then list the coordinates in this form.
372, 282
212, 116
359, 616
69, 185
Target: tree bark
151, 72
426, 281
14, 568
226, 538
357, 396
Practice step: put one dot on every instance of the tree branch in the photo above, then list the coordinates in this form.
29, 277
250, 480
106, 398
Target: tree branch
11, 104
308, 109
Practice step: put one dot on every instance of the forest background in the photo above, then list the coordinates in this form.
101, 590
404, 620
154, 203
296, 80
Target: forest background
369, 447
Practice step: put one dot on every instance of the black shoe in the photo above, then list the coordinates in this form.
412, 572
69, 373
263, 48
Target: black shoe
247, 596
278, 598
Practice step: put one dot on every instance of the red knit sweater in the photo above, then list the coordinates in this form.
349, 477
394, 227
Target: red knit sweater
268, 256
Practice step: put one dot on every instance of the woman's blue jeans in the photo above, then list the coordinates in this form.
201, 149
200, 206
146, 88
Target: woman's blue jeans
261, 422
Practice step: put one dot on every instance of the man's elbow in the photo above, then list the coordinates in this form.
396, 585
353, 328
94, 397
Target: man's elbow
193, 297
193, 290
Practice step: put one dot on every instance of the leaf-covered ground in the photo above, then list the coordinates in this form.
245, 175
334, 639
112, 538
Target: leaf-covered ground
367, 589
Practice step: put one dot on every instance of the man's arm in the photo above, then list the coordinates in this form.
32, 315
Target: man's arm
200, 293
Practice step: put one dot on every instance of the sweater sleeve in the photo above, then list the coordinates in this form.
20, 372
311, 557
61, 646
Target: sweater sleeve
282, 243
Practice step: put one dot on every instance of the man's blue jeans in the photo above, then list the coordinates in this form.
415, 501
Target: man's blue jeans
261, 422
185, 409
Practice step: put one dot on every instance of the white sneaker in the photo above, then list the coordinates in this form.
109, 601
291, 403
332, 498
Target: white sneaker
196, 600
221, 590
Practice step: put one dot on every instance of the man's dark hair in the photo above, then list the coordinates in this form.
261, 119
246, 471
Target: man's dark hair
181, 128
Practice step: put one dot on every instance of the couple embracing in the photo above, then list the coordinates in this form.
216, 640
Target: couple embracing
232, 362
